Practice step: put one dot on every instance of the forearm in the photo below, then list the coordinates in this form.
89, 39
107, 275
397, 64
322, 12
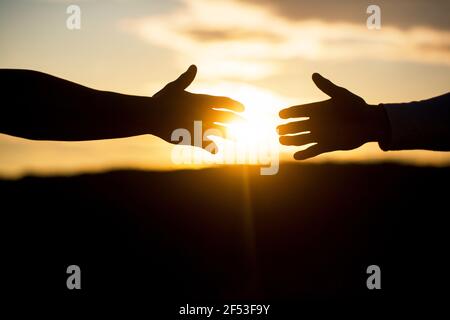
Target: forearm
39, 106
419, 125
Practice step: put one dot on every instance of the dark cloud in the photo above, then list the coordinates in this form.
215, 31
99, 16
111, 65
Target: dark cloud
231, 34
399, 13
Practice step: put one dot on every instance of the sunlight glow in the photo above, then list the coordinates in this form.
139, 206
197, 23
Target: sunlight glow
259, 118
253, 139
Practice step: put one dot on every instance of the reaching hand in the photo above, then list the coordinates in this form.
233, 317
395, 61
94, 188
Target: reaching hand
177, 108
343, 122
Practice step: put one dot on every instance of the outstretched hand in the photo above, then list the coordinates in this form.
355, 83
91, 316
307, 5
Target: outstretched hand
343, 122
177, 108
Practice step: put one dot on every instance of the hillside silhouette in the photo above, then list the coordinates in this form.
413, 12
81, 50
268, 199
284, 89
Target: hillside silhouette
228, 233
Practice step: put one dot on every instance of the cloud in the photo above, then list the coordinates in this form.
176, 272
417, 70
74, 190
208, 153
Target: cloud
216, 35
402, 14
235, 39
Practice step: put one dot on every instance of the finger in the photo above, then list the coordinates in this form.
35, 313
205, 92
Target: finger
312, 151
327, 86
213, 129
185, 79
224, 116
294, 127
181, 83
223, 103
303, 110
297, 140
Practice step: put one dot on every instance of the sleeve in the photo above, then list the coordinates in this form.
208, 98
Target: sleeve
419, 125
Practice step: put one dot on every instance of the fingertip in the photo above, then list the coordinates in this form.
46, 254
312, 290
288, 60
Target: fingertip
299, 156
239, 106
235, 105
220, 102
225, 116
190, 73
316, 77
192, 69
311, 152
283, 114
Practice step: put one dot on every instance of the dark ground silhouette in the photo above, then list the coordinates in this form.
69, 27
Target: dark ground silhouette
189, 235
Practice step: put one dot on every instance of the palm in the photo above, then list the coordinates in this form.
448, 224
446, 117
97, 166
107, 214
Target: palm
340, 123
179, 108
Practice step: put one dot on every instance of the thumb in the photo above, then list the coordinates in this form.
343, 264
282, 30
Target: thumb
185, 79
327, 86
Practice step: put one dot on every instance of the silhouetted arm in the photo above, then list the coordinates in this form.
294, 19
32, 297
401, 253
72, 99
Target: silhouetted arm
419, 125
39, 106
346, 121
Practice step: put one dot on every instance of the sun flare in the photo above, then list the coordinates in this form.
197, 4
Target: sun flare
251, 139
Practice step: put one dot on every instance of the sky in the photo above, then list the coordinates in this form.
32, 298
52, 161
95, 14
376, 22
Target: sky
260, 52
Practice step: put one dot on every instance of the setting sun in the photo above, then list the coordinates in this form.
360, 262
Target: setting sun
253, 138
135, 49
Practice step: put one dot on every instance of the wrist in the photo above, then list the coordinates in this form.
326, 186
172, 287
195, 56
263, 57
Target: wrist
141, 113
149, 118
378, 127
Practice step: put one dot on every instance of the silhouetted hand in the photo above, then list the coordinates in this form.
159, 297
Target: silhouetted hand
343, 122
39, 106
177, 108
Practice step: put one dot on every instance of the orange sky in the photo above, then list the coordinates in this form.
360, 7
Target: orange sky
255, 51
